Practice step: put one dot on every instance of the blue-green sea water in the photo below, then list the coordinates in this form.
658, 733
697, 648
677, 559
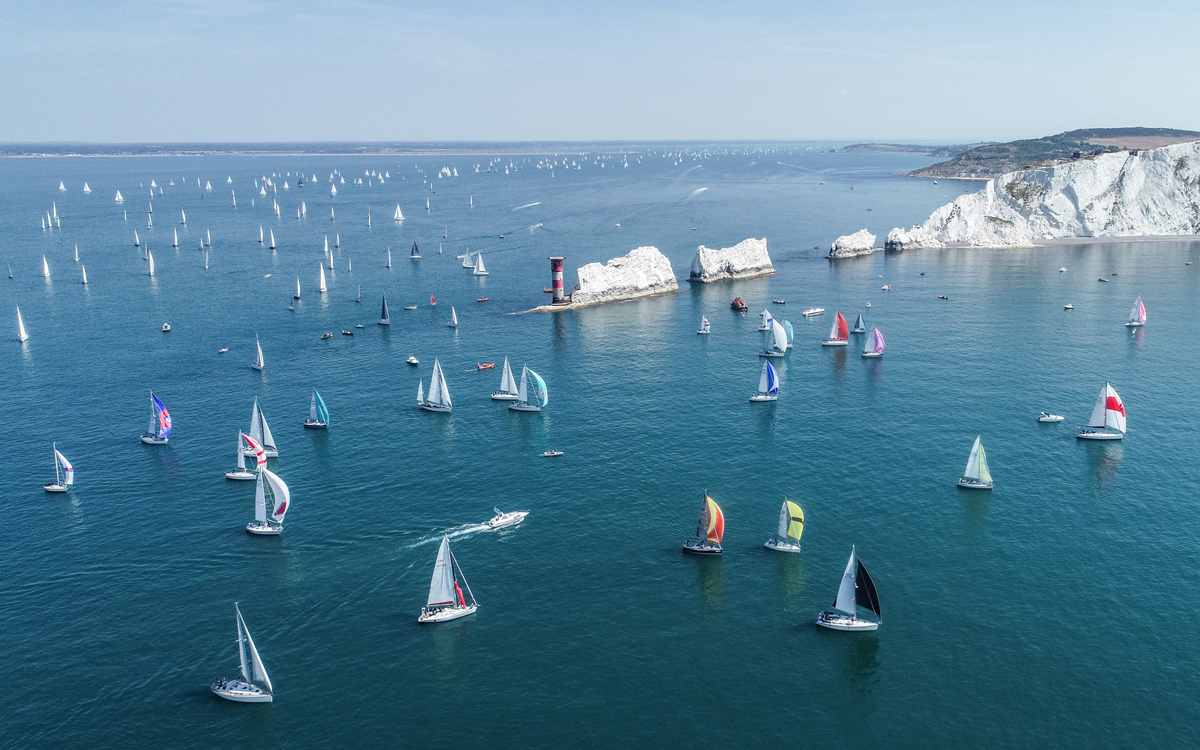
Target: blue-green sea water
1057, 609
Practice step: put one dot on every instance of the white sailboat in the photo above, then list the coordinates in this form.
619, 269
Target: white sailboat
119, 199
260, 234
873, 346
183, 217
479, 269
297, 294
453, 318
175, 242
791, 526
247, 445
272, 488
776, 341
446, 601
244, 690
136, 241
64, 473
272, 235
856, 590
1137, 316
208, 237
766, 320
45, 267
150, 257
205, 260
261, 432
398, 216
259, 363
705, 326
439, 394
389, 261
22, 336
532, 395
1108, 417
321, 287
77, 253
86, 189
976, 476
768, 384
385, 319
508, 385
318, 414
61, 187
467, 262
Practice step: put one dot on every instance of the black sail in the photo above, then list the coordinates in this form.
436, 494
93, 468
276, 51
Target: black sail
415, 253
384, 314
864, 591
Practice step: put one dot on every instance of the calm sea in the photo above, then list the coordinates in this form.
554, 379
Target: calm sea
1052, 610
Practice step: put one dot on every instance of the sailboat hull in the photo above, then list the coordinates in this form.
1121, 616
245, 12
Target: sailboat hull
447, 614
241, 475
1091, 435
384, 322
256, 366
501, 396
872, 355
971, 484
55, 487
518, 406
154, 440
858, 330
839, 621
779, 546
763, 397
834, 342
703, 333
701, 548
1134, 324
311, 425
772, 353
264, 528
241, 692
435, 407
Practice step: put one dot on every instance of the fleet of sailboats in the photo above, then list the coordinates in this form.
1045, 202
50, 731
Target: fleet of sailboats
439, 394
532, 395
710, 529
318, 415
446, 600
244, 689
1108, 417
791, 526
976, 476
64, 473
856, 590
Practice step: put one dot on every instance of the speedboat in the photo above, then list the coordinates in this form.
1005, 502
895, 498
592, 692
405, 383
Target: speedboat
347, 333
552, 452
1102, 279
358, 326
1063, 269
485, 366
868, 304
166, 327
410, 307
482, 299
779, 301
942, 296
327, 335
222, 350
887, 287
503, 519
1047, 417
412, 360
1068, 307
813, 311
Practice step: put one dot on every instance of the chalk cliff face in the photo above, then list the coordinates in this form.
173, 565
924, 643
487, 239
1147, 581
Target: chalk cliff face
644, 271
861, 242
745, 259
1156, 192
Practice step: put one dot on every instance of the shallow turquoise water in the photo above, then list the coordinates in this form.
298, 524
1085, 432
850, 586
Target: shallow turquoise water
1054, 608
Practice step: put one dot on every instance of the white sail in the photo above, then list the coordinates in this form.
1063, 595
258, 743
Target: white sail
271, 233
255, 423
77, 253
240, 454
785, 522
183, 217
399, 215
45, 267
420, 393
523, 393
268, 441
84, 270
764, 384
281, 495
259, 361
150, 257
312, 408
1109, 410
175, 242
322, 288
260, 501
845, 597
333, 190
136, 241
508, 383
258, 672
441, 585
479, 269
389, 263
467, 262
68, 469
297, 287
21, 335
260, 234
119, 199
86, 189
438, 392
972, 470
453, 317
778, 337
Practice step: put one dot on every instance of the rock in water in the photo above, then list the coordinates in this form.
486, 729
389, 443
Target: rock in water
861, 242
745, 259
1121, 194
644, 271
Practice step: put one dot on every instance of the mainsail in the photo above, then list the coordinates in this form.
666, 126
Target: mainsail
441, 585
977, 468
508, 384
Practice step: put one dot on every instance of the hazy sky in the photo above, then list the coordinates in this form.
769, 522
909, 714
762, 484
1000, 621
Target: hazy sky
260, 70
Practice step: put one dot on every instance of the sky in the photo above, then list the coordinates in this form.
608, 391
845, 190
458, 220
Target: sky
448, 70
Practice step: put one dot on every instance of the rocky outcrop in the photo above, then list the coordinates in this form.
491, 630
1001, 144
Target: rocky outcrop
1122, 194
861, 242
643, 272
745, 259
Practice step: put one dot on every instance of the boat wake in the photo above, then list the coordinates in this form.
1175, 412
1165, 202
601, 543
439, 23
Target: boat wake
454, 533
528, 205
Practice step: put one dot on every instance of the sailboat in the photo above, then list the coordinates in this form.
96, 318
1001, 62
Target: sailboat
776, 341
710, 529
281, 501
389, 261
83, 269
205, 260
183, 217
453, 318
384, 318
860, 325
244, 690
766, 320
705, 326
791, 526
359, 297
415, 254
1137, 316
297, 294
791, 332
399, 215
839, 334
45, 267
157, 434
508, 385
136, 241
208, 237
432, 300
1108, 414
260, 234
77, 253
856, 590
119, 199
247, 445
175, 242
479, 269
874, 344
150, 257
976, 476
258, 362
272, 235
532, 395
318, 415
439, 394
446, 601
64, 473
467, 262
86, 189
768, 384
321, 288
61, 187
22, 336
261, 432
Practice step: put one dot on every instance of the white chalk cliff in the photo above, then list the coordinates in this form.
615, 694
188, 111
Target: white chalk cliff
861, 242
1156, 192
644, 271
745, 259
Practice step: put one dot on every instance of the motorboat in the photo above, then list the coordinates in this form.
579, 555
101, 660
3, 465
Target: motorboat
412, 360
739, 304
942, 296
347, 333
1063, 269
887, 287
166, 327
482, 299
551, 453
502, 519
358, 326
813, 311
1102, 279
410, 307
485, 366
779, 301
222, 350
327, 335
1048, 417
1068, 307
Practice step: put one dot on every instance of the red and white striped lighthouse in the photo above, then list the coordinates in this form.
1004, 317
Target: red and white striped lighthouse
556, 276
